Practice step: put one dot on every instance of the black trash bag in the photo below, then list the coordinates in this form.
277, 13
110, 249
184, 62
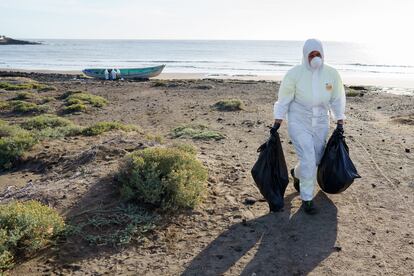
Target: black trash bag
336, 172
270, 172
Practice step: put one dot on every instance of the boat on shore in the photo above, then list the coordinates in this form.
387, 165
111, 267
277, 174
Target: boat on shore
125, 73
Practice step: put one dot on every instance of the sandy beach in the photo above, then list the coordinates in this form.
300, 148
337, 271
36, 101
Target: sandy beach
367, 230
399, 83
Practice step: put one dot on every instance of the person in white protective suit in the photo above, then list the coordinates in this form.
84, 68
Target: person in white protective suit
113, 74
306, 95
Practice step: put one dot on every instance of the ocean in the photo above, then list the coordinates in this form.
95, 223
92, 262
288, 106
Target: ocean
212, 58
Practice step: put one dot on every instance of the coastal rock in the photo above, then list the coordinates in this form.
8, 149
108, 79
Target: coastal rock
358, 87
4, 40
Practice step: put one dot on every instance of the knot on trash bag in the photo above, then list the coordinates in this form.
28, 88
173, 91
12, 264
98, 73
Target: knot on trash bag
339, 133
270, 141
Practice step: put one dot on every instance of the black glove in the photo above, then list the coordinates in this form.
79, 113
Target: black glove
340, 128
274, 129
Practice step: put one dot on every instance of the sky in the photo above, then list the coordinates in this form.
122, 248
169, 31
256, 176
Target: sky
377, 21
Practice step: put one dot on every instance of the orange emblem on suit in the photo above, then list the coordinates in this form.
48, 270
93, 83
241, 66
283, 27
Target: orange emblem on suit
329, 87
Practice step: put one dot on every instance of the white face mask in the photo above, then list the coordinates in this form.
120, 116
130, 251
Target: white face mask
316, 62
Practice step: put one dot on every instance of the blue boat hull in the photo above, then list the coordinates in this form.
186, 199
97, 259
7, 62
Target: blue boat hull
126, 73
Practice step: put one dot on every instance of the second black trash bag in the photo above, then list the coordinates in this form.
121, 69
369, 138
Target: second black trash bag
336, 172
270, 172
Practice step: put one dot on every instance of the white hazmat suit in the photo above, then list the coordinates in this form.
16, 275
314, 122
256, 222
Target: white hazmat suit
306, 95
113, 74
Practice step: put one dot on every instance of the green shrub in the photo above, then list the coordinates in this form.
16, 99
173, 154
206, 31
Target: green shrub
154, 137
4, 105
27, 107
25, 96
77, 101
25, 86
58, 132
7, 130
51, 126
352, 93
78, 97
69, 93
185, 147
26, 227
229, 105
11, 86
73, 101
46, 88
46, 99
116, 226
33, 97
6, 257
75, 108
166, 178
14, 141
45, 121
159, 83
197, 132
102, 127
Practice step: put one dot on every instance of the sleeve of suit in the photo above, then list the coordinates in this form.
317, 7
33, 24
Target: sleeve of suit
285, 96
338, 100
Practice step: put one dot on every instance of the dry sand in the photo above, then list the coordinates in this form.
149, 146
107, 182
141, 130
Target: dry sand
367, 230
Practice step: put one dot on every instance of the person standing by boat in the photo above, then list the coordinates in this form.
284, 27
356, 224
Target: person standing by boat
118, 73
306, 94
113, 74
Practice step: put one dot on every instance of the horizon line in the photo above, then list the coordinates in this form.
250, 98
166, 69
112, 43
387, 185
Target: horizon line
186, 39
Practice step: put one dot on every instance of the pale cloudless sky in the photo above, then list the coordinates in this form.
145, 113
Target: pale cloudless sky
382, 21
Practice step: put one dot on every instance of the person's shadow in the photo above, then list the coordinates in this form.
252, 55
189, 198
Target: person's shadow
276, 244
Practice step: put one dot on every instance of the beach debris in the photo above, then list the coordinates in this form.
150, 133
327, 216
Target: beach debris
9, 188
404, 119
205, 86
229, 105
248, 123
250, 201
196, 132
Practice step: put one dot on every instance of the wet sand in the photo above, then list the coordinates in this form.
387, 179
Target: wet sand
391, 81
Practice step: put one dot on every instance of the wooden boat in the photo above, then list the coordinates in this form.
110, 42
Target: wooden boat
127, 73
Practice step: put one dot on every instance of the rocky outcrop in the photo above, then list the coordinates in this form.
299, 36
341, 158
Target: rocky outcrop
4, 40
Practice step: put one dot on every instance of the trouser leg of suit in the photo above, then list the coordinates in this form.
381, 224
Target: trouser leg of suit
309, 145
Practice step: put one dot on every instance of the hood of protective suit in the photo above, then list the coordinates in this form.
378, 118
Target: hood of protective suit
310, 46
